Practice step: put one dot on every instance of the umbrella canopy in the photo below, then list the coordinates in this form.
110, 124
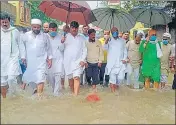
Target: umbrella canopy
150, 15
110, 17
67, 12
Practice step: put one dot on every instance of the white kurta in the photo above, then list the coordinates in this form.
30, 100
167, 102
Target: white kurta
55, 72
116, 53
173, 50
57, 52
11, 50
37, 50
75, 51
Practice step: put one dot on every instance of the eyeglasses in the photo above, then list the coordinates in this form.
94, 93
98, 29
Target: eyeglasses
153, 34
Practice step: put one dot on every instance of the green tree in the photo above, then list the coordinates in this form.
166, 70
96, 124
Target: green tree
128, 5
36, 13
171, 8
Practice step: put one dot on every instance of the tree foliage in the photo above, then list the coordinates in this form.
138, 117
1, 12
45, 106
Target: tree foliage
171, 8
128, 5
36, 13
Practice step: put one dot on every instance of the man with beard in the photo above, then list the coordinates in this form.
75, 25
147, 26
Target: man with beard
134, 61
38, 52
75, 53
11, 49
94, 58
46, 27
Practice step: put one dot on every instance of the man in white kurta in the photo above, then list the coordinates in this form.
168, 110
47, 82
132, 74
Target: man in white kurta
11, 49
55, 72
75, 53
38, 49
117, 56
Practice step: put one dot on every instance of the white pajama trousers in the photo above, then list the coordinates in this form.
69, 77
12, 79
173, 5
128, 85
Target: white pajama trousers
55, 81
116, 76
133, 73
11, 81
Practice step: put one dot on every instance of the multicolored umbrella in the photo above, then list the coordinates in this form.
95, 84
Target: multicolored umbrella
67, 12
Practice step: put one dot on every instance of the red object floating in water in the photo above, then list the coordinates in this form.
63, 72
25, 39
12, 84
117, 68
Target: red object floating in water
93, 98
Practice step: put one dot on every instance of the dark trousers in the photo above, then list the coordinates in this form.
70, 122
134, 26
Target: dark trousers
102, 72
88, 79
93, 72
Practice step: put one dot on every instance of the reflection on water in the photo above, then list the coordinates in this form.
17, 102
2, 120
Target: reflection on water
128, 107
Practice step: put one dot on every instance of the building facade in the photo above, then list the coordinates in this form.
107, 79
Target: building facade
7, 8
23, 13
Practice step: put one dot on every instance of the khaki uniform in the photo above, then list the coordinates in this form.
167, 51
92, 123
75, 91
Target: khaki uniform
134, 64
133, 54
166, 49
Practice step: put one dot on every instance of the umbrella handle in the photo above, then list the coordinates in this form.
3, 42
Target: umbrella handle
68, 12
65, 34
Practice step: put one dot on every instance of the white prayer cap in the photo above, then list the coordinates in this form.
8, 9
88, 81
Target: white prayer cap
36, 21
168, 35
140, 31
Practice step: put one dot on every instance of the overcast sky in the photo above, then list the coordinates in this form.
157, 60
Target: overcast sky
93, 4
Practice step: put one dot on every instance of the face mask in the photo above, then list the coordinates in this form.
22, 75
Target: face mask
53, 34
152, 38
165, 42
115, 34
36, 32
106, 36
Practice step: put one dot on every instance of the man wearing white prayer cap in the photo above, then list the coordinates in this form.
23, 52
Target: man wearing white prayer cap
38, 52
167, 51
142, 34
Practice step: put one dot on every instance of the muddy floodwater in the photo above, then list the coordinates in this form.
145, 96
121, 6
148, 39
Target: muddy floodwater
128, 106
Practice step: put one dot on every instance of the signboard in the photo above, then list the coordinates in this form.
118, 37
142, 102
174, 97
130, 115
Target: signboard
28, 15
113, 2
24, 12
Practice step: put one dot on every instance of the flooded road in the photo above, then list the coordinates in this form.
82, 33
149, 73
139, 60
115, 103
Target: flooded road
128, 107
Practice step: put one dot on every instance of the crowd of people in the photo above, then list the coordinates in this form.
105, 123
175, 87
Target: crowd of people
51, 56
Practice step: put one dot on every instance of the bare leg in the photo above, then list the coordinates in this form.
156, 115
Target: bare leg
23, 86
156, 85
112, 86
94, 88
62, 83
162, 85
147, 83
71, 84
76, 85
40, 88
3, 91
